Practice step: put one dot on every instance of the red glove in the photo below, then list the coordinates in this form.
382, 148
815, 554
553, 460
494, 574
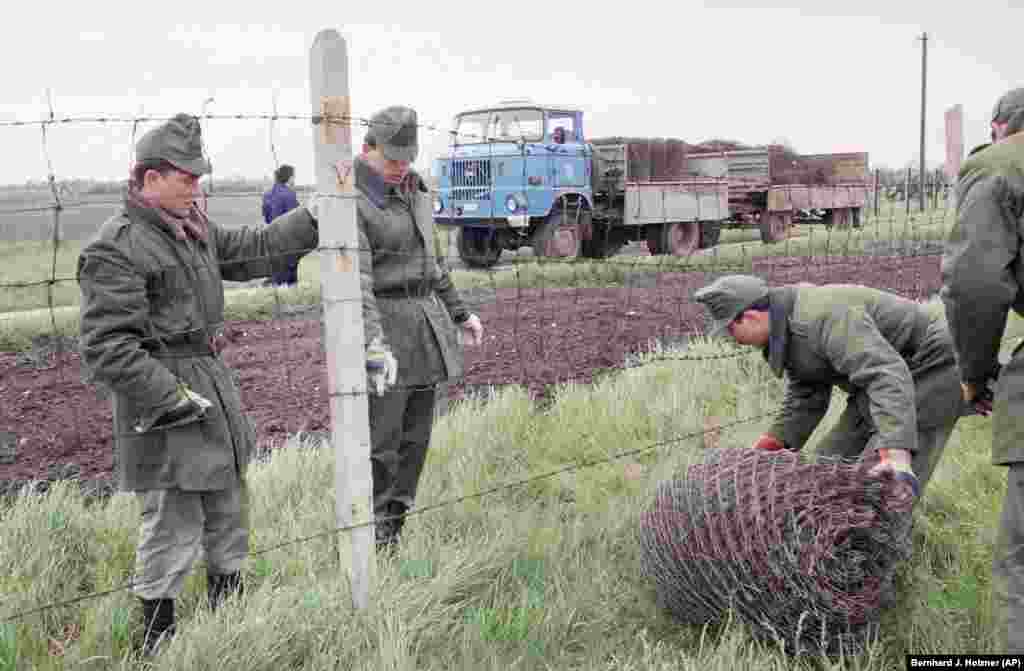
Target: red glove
769, 443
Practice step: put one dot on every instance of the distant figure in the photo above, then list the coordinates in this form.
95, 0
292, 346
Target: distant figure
280, 200
558, 135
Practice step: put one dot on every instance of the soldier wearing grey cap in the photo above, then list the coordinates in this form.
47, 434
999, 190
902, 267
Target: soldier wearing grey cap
411, 311
893, 358
151, 311
983, 279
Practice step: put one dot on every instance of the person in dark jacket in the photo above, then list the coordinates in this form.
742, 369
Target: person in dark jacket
281, 199
982, 282
410, 308
893, 358
152, 311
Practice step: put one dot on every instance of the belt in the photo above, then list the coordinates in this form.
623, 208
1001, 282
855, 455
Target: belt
183, 345
410, 292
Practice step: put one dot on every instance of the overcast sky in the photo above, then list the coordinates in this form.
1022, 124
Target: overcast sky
826, 76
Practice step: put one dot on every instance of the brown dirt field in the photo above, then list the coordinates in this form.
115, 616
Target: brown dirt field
535, 338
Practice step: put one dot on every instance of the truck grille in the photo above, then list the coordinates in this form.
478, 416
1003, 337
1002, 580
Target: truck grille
470, 179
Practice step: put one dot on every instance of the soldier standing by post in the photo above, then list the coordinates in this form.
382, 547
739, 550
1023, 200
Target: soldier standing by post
410, 311
983, 278
151, 310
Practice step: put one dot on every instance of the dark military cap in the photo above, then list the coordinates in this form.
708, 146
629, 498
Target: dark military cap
727, 297
393, 130
1010, 102
179, 142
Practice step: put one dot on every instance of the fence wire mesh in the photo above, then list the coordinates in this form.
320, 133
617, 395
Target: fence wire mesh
548, 320
803, 551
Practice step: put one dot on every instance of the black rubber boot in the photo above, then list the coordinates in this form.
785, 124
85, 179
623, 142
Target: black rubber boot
221, 585
157, 623
389, 531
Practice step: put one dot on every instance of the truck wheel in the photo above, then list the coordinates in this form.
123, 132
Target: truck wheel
604, 242
478, 247
558, 237
710, 231
775, 226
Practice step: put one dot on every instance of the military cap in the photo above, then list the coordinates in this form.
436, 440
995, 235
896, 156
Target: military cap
1010, 101
179, 142
727, 297
393, 130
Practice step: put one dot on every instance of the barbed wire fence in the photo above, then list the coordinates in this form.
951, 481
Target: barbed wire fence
548, 321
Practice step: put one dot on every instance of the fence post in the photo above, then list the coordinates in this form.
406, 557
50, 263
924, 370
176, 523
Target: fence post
906, 192
342, 309
877, 178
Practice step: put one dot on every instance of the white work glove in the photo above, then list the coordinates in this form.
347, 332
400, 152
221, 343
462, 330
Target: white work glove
381, 368
315, 206
190, 407
473, 330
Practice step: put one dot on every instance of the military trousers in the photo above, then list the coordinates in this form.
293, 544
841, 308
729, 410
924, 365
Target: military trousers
853, 433
1008, 566
177, 525
401, 421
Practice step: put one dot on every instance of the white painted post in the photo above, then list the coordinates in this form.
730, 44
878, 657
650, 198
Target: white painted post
343, 316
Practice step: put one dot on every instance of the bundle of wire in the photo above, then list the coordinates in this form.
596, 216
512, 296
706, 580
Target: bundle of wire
803, 551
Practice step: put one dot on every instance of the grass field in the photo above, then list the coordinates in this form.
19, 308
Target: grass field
545, 576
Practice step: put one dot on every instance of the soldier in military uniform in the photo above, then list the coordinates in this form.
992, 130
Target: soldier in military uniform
982, 280
893, 358
410, 308
152, 305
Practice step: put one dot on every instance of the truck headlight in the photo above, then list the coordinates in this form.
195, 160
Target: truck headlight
438, 206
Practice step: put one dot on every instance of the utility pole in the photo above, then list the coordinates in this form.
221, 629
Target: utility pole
924, 81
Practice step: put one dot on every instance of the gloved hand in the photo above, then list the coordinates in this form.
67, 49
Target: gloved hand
190, 407
381, 367
473, 329
769, 443
896, 463
980, 397
315, 206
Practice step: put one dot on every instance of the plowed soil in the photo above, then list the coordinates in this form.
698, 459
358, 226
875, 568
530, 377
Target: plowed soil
535, 338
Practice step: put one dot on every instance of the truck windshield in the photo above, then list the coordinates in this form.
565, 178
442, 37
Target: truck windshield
501, 125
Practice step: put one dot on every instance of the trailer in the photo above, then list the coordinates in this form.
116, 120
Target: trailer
769, 186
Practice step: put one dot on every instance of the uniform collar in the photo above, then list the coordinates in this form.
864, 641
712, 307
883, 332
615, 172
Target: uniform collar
780, 307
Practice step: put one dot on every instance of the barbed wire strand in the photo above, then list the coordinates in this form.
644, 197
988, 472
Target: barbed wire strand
566, 468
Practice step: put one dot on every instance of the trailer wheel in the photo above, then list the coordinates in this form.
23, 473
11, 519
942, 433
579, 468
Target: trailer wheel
841, 218
478, 247
775, 226
604, 242
558, 237
681, 238
710, 231
652, 236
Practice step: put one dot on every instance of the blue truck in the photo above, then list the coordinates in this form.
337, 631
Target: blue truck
519, 174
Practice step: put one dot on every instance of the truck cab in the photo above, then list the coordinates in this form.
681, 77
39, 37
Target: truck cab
516, 174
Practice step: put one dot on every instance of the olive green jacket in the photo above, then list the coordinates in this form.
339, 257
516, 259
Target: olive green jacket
982, 278
409, 301
891, 356
149, 305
